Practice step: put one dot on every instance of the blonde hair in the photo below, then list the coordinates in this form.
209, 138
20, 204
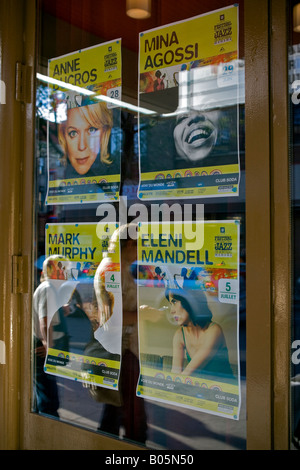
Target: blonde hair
52, 262
97, 115
122, 234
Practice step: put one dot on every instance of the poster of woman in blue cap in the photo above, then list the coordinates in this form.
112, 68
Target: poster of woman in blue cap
188, 318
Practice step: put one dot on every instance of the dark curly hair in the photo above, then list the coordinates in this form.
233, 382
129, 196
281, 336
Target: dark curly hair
195, 303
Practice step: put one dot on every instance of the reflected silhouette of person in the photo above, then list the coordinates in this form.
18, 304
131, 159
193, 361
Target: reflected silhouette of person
45, 387
131, 414
72, 326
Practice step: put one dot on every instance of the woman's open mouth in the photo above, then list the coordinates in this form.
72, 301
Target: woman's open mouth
82, 161
198, 136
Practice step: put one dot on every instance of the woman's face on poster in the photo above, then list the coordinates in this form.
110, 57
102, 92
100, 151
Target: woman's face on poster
83, 141
196, 133
179, 313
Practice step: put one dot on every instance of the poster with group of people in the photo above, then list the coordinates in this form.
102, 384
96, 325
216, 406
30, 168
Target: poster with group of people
87, 131
188, 316
83, 303
189, 78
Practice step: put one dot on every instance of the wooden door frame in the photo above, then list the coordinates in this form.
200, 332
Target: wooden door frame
258, 226
11, 178
268, 231
280, 226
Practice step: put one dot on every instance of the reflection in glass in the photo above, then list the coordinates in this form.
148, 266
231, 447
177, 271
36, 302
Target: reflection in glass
47, 308
295, 333
188, 302
195, 132
123, 414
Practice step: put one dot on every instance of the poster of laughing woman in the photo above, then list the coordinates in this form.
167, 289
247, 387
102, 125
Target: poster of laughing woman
188, 301
189, 75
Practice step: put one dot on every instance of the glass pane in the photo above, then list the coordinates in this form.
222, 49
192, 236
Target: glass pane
294, 54
132, 128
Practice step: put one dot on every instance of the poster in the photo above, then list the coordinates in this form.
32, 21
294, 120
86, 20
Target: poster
84, 303
189, 75
84, 142
188, 297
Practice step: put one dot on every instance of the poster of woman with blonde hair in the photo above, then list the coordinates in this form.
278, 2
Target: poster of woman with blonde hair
85, 129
